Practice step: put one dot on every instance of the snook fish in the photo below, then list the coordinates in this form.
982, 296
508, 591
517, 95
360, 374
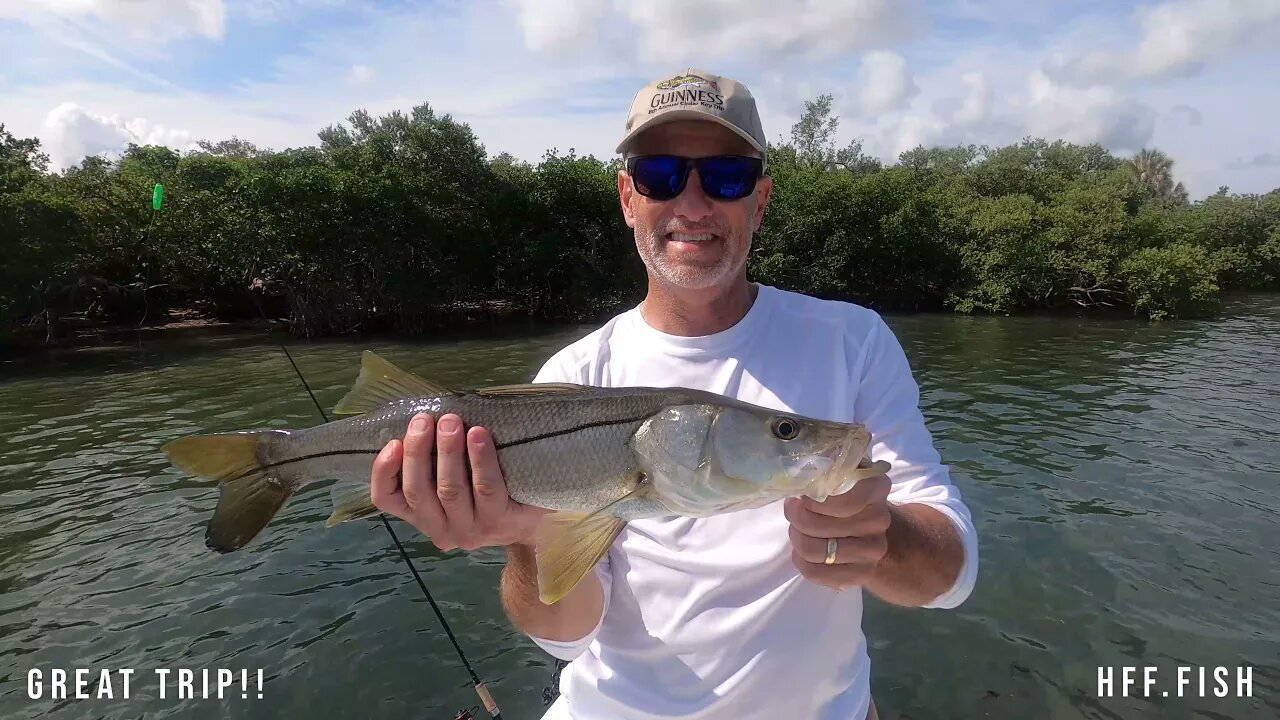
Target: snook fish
599, 457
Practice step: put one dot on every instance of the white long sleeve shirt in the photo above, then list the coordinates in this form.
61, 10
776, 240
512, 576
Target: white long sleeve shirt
709, 618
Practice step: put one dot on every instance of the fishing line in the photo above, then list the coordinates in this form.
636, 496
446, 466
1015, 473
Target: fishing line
489, 704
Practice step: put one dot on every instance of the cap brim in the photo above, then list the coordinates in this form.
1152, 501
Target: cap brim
672, 115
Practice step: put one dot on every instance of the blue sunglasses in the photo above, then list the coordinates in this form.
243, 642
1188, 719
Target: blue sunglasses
723, 177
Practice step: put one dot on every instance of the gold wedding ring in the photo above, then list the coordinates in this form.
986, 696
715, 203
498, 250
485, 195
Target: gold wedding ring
831, 552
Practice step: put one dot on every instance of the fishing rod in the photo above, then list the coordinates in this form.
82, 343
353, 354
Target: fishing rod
490, 705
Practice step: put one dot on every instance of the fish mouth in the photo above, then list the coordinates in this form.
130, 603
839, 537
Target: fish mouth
831, 472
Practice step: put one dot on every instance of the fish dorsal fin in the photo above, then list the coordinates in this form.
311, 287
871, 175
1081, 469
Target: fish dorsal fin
381, 382
530, 389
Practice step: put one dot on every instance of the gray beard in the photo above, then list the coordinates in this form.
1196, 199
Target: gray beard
683, 276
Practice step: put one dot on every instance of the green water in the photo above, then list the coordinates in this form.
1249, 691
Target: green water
1125, 480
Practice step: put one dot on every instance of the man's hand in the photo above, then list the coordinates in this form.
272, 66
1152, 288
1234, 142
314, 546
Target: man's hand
434, 495
907, 554
858, 523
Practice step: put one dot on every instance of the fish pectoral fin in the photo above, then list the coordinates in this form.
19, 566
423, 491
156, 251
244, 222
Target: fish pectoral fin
349, 503
529, 389
569, 545
381, 382
642, 489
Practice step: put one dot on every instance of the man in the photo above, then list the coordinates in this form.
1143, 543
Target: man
751, 614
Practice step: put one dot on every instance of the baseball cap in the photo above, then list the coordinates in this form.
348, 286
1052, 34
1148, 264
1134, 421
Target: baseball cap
696, 95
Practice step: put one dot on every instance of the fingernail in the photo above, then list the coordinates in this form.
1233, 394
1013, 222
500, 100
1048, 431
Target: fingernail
419, 424
448, 425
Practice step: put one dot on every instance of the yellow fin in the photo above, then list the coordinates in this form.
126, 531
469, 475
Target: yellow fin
569, 545
249, 496
530, 389
221, 456
349, 503
381, 382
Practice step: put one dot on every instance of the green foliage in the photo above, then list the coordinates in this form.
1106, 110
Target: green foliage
401, 222
36, 227
1172, 281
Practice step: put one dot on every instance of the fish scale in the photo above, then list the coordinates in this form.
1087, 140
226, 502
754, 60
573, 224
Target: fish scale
560, 453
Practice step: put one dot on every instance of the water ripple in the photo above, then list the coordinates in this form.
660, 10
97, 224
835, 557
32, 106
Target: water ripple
1124, 477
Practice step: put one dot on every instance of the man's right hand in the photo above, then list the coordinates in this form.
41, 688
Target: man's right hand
436, 498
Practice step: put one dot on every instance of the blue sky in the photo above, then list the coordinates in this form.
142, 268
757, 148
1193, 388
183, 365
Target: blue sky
1193, 77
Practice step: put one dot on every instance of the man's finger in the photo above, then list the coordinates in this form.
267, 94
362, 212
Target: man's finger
452, 486
849, 550
384, 481
838, 576
417, 477
866, 491
872, 520
489, 491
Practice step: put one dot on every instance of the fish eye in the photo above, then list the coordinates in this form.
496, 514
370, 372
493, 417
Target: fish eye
785, 428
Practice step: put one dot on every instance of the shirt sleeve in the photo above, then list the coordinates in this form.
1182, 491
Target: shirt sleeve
888, 403
570, 649
560, 369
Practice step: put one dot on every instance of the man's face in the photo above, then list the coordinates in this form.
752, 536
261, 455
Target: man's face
692, 241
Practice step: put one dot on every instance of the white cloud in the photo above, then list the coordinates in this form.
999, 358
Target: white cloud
1174, 39
550, 24
360, 74
913, 131
977, 102
1187, 114
962, 104
158, 19
529, 76
1178, 37
884, 82
678, 31
511, 99
1262, 160
71, 133
266, 11
1235, 113
1087, 115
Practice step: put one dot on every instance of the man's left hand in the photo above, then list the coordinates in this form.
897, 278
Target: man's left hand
856, 521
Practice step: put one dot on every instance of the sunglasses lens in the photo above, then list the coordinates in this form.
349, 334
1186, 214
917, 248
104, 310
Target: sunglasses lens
726, 177
729, 178
660, 177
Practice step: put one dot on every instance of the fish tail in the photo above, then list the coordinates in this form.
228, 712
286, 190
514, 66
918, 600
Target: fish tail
250, 493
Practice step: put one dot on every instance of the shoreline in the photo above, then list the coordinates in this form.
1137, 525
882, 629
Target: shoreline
451, 320
77, 331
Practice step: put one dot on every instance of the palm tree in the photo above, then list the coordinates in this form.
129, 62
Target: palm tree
1153, 170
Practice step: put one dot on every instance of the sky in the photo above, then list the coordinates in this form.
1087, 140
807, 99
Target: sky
1194, 78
